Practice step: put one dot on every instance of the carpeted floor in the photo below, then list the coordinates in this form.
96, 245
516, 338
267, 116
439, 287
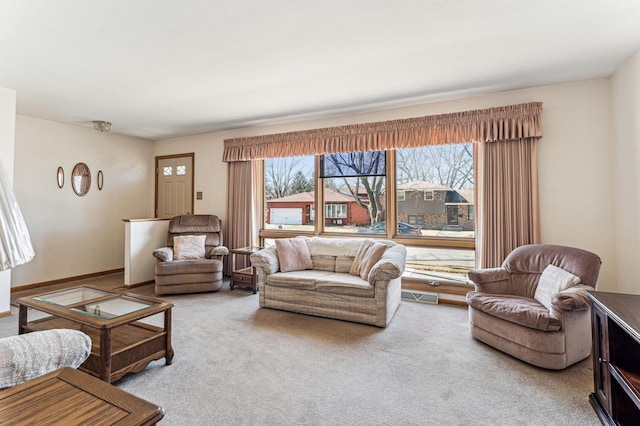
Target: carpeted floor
238, 364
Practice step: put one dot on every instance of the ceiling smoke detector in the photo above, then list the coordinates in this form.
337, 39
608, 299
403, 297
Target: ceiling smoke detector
103, 126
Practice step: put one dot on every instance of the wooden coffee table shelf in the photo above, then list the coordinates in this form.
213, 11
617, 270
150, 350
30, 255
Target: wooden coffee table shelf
120, 345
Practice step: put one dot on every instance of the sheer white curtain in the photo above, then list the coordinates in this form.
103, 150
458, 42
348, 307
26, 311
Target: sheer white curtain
15, 242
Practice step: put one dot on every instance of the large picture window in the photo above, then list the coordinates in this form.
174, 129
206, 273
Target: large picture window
432, 211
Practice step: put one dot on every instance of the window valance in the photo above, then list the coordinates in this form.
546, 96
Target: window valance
513, 122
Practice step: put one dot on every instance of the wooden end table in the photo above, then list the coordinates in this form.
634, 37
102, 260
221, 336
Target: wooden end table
121, 342
70, 397
244, 278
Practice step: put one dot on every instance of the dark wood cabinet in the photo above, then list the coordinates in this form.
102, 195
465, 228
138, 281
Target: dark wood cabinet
616, 357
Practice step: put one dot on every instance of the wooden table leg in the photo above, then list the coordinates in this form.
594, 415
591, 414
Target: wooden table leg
22, 319
167, 328
233, 268
105, 354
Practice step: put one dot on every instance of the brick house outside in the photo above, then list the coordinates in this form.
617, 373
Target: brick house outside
432, 206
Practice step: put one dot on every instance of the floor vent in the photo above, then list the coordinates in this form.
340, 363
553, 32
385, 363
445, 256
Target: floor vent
419, 296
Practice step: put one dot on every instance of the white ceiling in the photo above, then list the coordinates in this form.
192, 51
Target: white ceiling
161, 68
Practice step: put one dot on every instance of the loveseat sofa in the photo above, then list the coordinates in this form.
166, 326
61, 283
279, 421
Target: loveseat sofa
348, 279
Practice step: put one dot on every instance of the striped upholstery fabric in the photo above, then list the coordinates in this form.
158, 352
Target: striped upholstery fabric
328, 290
31, 355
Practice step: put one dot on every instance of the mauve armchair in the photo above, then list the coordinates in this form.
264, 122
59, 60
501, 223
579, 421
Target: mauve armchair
504, 313
192, 264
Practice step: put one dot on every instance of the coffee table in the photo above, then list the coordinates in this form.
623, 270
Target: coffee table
121, 341
70, 397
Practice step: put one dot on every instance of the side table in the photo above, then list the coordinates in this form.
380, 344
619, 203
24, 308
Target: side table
246, 277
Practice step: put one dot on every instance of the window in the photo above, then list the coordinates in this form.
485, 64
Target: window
356, 180
289, 193
181, 170
438, 186
433, 214
335, 211
168, 171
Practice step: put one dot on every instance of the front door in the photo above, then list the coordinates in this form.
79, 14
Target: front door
174, 185
452, 215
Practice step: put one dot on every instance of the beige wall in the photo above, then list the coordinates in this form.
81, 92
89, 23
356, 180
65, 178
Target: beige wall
625, 89
575, 158
75, 235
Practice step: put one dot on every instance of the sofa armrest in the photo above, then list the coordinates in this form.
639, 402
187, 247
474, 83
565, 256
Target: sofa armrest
391, 265
164, 254
574, 298
491, 280
218, 252
266, 259
27, 356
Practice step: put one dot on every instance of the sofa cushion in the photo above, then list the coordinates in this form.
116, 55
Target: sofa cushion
348, 285
302, 280
553, 280
324, 263
368, 255
516, 309
188, 247
293, 254
349, 247
197, 266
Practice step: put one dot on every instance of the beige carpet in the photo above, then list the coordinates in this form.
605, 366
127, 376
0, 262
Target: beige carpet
238, 364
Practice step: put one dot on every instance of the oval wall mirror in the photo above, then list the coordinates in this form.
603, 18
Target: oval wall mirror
60, 177
81, 179
100, 180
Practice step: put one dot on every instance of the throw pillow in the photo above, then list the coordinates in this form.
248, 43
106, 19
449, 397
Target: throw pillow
553, 280
369, 254
293, 254
188, 247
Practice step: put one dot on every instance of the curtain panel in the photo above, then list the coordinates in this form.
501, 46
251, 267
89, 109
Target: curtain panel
243, 206
513, 122
507, 192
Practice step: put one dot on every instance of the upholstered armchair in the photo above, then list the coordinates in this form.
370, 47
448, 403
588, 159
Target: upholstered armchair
536, 312
192, 260
27, 356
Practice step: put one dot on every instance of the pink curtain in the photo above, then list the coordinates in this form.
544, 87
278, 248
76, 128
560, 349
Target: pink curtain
243, 207
507, 193
510, 122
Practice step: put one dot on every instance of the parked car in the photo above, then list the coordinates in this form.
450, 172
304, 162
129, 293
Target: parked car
381, 228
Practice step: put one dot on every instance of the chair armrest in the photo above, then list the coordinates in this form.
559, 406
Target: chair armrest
391, 265
574, 298
491, 280
219, 251
266, 259
164, 254
27, 356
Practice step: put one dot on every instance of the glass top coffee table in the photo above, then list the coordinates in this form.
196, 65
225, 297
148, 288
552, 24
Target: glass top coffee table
123, 339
